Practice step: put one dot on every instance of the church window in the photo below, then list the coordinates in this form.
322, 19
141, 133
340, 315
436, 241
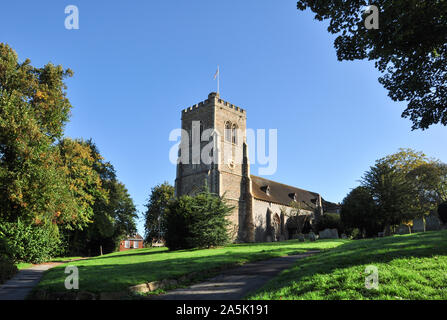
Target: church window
266, 189
228, 131
234, 134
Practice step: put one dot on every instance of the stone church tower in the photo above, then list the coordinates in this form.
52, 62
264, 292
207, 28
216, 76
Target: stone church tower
213, 151
221, 126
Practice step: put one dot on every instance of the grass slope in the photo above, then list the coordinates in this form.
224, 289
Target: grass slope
409, 267
118, 271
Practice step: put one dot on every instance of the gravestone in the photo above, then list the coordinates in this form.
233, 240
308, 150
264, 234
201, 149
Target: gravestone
312, 236
403, 229
381, 234
432, 222
329, 234
418, 225
343, 236
387, 231
301, 237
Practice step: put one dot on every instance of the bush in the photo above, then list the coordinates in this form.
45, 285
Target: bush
359, 211
329, 221
197, 222
442, 212
28, 243
7, 269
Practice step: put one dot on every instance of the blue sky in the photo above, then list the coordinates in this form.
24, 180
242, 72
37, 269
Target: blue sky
137, 64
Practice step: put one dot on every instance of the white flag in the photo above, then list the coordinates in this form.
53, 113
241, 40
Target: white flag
216, 74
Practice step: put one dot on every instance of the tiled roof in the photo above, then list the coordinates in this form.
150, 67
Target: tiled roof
281, 193
135, 237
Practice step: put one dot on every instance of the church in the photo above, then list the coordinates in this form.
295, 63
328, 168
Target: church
264, 210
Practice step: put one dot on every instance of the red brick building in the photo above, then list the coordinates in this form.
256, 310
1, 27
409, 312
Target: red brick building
132, 242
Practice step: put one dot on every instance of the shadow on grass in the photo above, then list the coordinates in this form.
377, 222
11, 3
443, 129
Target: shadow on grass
360, 252
94, 277
116, 255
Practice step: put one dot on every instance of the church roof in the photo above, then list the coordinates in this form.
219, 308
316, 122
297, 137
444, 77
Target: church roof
281, 193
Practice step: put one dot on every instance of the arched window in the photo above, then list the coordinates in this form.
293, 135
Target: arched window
234, 134
228, 131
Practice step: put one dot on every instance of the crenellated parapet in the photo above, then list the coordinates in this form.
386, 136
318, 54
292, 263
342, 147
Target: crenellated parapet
213, 99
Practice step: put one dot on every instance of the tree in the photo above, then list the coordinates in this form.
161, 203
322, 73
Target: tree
56, 187
408, 48
298, 219
359, 211
112, 210
428, 176
84, 181
329, 221
197, 222
156, 206
442, 212
405, 160
430, 180
33, 113
393, 194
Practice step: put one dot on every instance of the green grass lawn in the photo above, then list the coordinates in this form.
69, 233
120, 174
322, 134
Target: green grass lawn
409, 267
26, 265
118, 271
23, 265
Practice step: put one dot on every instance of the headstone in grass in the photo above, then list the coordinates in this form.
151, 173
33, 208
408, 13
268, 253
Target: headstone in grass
329, 234
432, 222
418, 225
403, 229
301, 237
312, 236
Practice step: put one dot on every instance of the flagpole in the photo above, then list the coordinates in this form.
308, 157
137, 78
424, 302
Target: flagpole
218, 78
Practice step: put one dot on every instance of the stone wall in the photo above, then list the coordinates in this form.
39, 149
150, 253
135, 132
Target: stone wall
263, 216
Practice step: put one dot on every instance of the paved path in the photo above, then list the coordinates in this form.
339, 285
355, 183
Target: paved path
24, 281
235, 284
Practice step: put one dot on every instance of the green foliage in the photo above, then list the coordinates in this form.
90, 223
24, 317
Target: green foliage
53, 185
442, 212
397, 189
329, 221
33, 113
29, 243
393, 194
409, 48
197, 222
42, 90
405, 160
358, 211
112, 209
7, 268
155, 207
84, 181
430, 182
